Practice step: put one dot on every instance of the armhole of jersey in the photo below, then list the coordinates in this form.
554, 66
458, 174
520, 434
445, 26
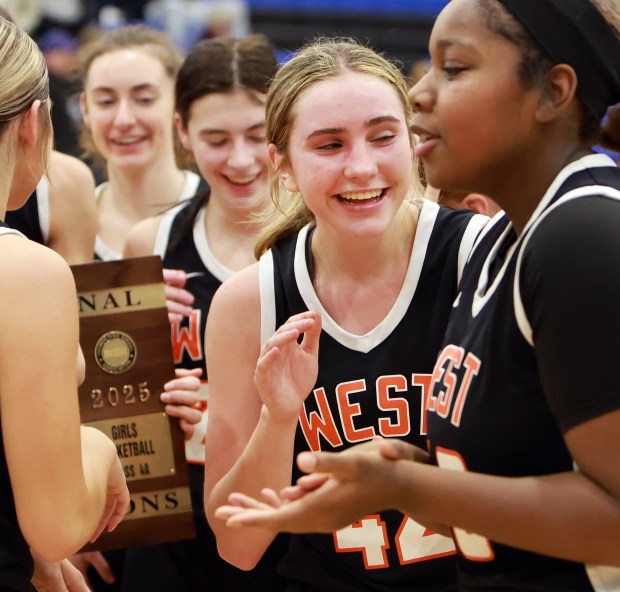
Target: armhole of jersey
43, 206
267, 297
468, 240
521, 317
163, 230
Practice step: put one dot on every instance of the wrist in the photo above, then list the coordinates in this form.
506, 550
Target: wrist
279, 420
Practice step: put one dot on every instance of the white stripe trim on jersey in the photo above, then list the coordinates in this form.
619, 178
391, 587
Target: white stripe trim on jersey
192, 181
216, 267
482, 294
494, 220
468, 240
365, 343
162, 238
266, 282
4, 230
519, 310
43, 207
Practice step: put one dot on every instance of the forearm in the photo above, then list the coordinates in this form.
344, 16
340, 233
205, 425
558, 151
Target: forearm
98, 453
266, 461
64, 513
563, 515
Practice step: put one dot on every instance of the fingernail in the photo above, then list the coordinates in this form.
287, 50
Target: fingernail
165, 397
306, 461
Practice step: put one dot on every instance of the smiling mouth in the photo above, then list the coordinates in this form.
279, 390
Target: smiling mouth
361, 197
241, 181
128, 141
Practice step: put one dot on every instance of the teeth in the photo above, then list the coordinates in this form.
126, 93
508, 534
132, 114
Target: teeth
128, 141
242, 180
362, 195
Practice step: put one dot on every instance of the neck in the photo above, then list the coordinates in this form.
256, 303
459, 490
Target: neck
520, 191
147, 191
231, 234
338, 256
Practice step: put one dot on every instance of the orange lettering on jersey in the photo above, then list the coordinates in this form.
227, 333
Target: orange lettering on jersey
187, 338
453, 356
445, 377
319, 423
425, 381
472, 367
401, 426
348, 411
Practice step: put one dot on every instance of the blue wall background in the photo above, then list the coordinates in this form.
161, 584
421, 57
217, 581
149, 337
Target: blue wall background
404, 7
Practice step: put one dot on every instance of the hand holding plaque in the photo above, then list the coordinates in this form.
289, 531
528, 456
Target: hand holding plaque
125, 337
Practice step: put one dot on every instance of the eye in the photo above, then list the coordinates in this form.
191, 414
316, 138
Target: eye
329, 146
384, 138
104, 101
216, 143
258, 139
452, 71
146, 99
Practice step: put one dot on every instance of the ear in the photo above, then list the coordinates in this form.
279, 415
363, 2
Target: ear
476, 203
28, 129
182, 132
84, 110
560, 89
282, 168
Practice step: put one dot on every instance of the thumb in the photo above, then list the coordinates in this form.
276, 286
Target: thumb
181, 372
393, 449
323, 462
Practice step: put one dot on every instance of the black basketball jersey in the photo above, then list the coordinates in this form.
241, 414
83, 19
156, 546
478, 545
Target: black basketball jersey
488, 411
16, 564
32, 219
186, 248
186, 566
368, 385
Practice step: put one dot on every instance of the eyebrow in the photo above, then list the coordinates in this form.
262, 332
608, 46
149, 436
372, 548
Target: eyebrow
213, 131
136, 88
338, 130
445, 43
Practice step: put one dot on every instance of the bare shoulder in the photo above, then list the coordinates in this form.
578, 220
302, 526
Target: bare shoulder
141, 238
37, 273
69, 172
234, 314
239, 293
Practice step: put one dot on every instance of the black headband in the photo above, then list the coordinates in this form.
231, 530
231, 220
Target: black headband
574, 32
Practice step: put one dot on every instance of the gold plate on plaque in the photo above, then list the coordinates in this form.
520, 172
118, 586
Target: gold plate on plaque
143, 443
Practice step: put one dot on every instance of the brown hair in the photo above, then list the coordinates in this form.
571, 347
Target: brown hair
320, 60
221, 65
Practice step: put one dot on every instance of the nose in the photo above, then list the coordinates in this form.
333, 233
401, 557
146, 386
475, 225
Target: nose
241, 155
421, 95
124, 115
360, 162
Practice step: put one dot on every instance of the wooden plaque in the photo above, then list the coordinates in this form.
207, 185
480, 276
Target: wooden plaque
125, 337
